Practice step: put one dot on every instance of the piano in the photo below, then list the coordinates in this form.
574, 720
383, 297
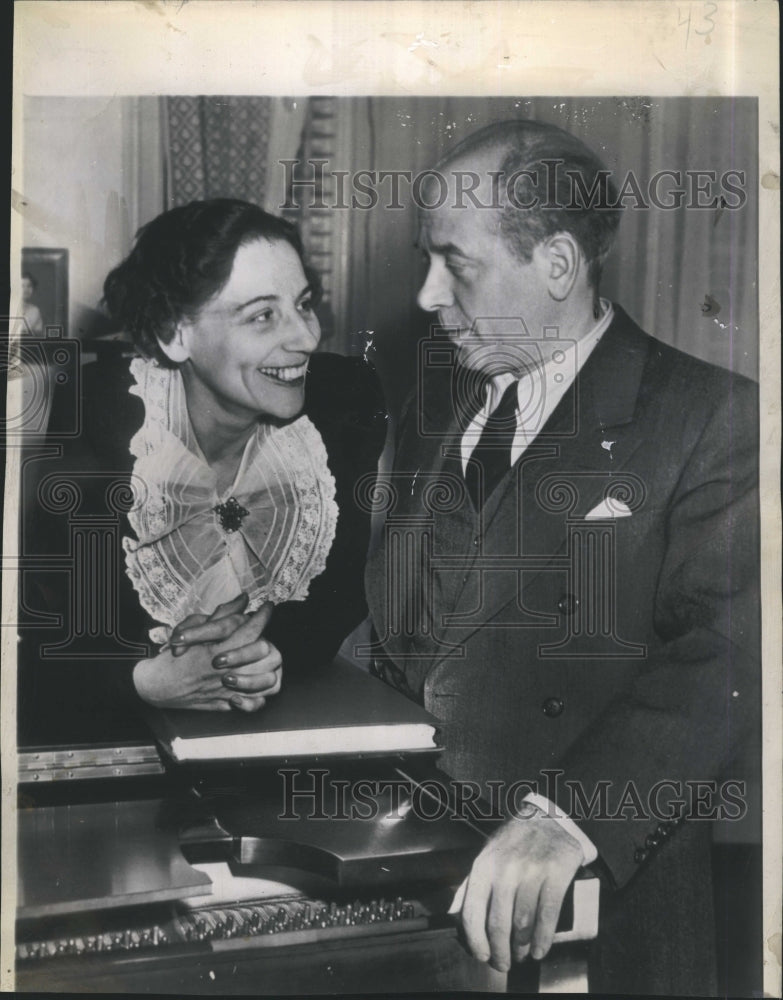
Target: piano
138, 876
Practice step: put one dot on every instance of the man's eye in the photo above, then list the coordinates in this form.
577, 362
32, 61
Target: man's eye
307, 305
455, 266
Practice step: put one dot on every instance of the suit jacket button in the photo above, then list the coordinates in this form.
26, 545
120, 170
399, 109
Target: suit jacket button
664, 830
651, 840
640, 855
567, 604
553, 707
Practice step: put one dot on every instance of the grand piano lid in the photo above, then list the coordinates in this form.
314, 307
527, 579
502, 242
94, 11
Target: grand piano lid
100, 856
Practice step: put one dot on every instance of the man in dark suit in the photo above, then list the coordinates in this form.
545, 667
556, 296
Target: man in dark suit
568, 578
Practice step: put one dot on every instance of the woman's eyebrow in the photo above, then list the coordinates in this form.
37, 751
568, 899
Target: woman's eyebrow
307, 290
258, 298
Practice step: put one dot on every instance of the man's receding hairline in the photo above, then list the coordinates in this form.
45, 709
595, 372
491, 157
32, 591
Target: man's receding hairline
504, 137
456, 156
511, 137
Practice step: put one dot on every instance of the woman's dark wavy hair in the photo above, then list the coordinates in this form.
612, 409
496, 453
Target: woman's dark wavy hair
181, 260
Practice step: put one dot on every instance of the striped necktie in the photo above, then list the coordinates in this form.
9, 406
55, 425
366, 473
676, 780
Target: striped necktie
491, 458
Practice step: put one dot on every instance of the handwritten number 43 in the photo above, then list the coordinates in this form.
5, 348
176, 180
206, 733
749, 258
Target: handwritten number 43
707, 19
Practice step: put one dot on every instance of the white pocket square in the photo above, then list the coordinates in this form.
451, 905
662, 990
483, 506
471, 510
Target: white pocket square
608, 508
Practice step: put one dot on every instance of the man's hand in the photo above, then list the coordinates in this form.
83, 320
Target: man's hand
516, 888
214, 663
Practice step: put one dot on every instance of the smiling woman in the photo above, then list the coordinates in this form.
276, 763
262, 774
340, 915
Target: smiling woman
244, 547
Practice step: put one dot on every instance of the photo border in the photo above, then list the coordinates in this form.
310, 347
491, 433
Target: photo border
617, 47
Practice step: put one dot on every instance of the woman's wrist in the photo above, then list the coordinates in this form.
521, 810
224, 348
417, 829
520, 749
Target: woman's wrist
142, 678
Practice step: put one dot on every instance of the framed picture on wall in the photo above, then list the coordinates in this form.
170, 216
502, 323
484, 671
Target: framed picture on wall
44, 284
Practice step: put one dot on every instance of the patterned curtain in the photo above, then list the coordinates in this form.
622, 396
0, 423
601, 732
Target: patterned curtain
232, 147
216, 147
322, 228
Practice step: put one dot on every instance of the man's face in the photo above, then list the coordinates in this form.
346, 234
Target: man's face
492, 302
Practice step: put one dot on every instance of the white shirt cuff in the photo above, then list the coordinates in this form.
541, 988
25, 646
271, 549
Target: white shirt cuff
589, 850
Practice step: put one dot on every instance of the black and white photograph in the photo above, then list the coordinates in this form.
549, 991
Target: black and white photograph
44, 280
391, 574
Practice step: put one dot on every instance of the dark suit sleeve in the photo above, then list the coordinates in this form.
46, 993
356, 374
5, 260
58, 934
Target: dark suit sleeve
697, 698
346, 404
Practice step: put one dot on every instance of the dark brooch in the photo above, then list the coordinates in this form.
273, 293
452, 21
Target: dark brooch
231, 514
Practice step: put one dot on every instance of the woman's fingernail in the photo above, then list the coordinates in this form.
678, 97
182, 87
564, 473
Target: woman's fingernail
236, 701
220, 661
229, 680
537, 953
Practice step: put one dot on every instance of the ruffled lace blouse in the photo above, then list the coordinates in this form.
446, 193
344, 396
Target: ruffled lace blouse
268, 534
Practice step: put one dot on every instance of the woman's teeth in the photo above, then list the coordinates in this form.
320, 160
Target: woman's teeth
290, 374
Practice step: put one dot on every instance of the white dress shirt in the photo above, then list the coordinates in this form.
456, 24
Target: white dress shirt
554, 365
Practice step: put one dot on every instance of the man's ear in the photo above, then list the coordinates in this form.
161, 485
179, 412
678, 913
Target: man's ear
177, 349
561, 261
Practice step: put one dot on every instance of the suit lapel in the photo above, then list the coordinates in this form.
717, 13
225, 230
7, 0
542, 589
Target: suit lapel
431, 446
584, 446
427, 455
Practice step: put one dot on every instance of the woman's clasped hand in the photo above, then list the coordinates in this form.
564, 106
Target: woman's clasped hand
216, 662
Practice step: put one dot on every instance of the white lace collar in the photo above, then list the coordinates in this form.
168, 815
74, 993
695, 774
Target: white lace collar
269, 534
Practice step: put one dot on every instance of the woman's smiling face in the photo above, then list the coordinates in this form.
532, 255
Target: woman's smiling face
246, 351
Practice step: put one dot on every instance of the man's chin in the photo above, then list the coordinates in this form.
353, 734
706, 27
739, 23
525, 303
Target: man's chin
484, 360
497, 359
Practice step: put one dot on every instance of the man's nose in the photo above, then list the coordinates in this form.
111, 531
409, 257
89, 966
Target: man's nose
435, 293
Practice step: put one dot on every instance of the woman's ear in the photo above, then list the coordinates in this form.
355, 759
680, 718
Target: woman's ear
561, 262
177, 349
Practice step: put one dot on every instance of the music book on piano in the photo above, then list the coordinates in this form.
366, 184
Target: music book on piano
340, 709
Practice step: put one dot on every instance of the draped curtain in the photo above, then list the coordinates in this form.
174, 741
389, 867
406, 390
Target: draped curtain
216, 147
687, 275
